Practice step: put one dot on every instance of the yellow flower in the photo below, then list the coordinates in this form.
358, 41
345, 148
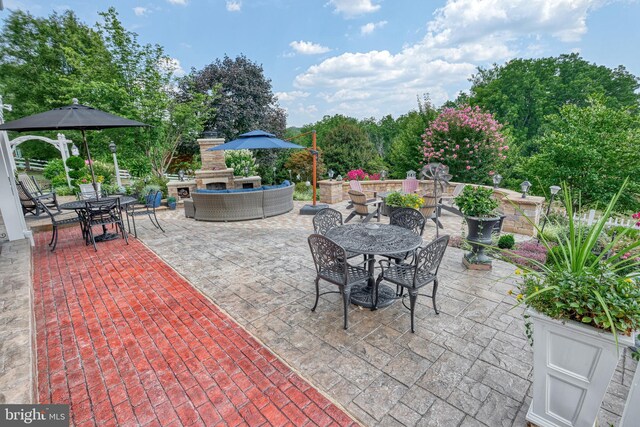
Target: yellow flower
518, 271
537, 289
519, 297
510, 292
628, 280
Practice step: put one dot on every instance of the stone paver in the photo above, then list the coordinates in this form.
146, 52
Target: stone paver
470, 365
16, 329
126, 341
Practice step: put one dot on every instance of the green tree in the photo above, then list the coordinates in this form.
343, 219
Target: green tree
407, 148
523, 91
381, 133
593, 149
347, 147
244, 98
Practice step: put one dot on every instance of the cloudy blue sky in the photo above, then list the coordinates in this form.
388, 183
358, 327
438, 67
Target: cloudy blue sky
369, 58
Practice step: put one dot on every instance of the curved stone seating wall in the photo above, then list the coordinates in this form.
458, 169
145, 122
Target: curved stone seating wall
511, 203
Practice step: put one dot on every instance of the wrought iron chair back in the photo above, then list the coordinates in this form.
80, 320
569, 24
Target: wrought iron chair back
103, 212
408, 218
325, 220
57, 221
331, 264
428, 258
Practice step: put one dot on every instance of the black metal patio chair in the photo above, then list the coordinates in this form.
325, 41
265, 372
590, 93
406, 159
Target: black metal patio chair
422, 271
326, 219
103, 212
62, 219
332, 266
411, 219
147, 208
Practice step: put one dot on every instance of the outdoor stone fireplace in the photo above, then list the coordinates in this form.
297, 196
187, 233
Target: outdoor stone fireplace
214, 175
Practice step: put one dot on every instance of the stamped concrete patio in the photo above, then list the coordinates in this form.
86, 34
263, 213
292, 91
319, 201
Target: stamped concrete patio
470, 365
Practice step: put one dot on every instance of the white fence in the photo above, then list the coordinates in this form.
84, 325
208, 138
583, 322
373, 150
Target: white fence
36, 165
591, 218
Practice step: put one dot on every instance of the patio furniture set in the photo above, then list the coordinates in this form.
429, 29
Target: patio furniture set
408, 265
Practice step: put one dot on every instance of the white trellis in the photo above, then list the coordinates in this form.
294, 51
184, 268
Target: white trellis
61, 144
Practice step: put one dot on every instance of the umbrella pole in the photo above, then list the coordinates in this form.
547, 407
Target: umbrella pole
93, 176
314, 167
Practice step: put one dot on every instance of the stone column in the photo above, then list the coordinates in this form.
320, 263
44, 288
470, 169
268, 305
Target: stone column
515, 207
330, 191
211, 160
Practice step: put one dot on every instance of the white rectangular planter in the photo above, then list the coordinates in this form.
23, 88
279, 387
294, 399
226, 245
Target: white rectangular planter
572, 367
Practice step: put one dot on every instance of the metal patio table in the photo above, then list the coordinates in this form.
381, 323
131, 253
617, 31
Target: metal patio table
80, 205
371, 240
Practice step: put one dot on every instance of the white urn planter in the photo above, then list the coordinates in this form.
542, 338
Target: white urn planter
572, 367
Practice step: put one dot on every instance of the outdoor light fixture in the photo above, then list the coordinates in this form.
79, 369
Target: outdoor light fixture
339, 178
554, 190
112, 147
246, 171
181, 175
497, 178
289, 170
330, 173
74, 150
383, 174
524, 187
308, 184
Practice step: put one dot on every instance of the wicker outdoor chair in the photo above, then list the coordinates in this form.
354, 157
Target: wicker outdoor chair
361, 207
331, 265
326, 219
422, 271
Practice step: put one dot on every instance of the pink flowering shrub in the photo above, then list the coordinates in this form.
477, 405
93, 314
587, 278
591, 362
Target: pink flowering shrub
360, 175
526, 252
467, 140
636, 216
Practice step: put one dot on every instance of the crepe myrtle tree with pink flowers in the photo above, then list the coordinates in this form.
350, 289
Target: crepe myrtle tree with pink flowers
469, 141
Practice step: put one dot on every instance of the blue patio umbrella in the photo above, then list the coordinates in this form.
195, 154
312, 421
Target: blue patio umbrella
256, 140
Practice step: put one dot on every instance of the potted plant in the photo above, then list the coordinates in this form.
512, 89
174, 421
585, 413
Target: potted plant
171, 202
479, 209
397, 199
582, 305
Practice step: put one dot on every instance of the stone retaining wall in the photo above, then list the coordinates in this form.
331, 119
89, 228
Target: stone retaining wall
511, 203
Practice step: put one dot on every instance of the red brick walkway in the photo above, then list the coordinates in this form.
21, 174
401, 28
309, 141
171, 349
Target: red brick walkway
126, 341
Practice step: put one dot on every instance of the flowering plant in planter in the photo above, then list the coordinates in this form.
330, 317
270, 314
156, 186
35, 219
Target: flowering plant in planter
477, 202
581, 303
400, 200
576, 284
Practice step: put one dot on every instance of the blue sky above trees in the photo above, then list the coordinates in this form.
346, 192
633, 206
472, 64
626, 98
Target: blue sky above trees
369, 58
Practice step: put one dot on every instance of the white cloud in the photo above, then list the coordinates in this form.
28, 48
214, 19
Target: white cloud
462, 35
308, 48
140, 11
291, 96
351, 8
172, 64
234, 6
369, 28
179, 2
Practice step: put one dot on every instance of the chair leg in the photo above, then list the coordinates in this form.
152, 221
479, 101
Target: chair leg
350, 217
317, 293
157, 224
53, 235
346, 300
375, 293
54, 238
413, 297
93, 240
433, 296
123, 231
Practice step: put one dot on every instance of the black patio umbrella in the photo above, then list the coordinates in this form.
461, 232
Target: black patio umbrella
72, 117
